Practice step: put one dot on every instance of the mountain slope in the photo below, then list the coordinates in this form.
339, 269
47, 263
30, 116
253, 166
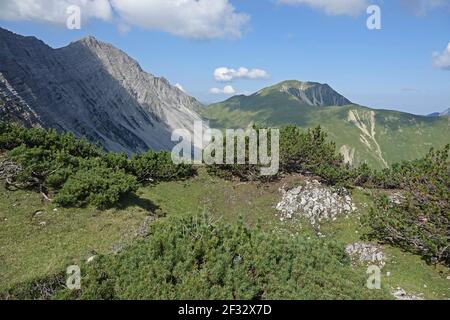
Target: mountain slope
440, 114
91, 89
13, 108
378, 137
307, 93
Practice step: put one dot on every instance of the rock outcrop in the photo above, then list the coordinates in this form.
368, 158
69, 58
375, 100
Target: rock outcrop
366, 254
315, 202
365, 121
400, 294
92, 89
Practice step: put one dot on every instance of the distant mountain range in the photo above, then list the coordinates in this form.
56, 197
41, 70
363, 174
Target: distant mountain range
440, 114
377, 137
93, 89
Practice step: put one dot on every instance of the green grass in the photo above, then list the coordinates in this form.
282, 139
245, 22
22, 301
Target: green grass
224, 199
29, 251
406, 270
255, 202
70, 236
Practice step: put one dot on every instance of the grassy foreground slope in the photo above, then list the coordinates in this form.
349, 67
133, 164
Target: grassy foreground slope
38, 239
31, 250
166, 231
378, 137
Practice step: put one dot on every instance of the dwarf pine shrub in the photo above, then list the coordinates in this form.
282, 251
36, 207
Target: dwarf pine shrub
420, 222
78, 173
193, 258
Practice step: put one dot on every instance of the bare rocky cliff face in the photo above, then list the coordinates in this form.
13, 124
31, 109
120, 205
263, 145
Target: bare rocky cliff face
13, 108
92, 89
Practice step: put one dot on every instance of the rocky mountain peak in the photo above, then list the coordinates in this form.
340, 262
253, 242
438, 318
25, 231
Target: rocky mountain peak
308, 93
89, 40
301, 85
93, 43
92, 89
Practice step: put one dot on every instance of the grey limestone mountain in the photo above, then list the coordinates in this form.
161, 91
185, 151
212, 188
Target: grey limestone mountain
92, 89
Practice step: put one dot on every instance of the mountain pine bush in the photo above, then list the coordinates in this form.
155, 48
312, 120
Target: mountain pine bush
158, 166
78, 173
243, 172
301, 151
420, 223
12, 136
193, 258
97, 185
312, 152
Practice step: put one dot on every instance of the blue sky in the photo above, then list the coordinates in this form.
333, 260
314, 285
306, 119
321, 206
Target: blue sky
389, 68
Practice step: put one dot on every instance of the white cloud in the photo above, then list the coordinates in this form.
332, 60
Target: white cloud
195, 19
53, 11
179, 86
333, 7
226, 90
442, 60
224, 74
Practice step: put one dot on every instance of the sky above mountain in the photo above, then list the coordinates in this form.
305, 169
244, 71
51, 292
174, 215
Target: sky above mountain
213, 49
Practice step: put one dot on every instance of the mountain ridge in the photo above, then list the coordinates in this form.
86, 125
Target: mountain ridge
362, 135
93, 89
307, 92
440, 114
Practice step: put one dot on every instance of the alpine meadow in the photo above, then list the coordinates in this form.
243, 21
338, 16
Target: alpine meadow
278, 150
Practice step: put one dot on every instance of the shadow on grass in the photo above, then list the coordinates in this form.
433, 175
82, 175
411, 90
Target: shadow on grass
133, 200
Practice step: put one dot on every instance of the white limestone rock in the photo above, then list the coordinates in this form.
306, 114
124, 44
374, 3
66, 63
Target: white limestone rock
366, 254
400, 294
315, 202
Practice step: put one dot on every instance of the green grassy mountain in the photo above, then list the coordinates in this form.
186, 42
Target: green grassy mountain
377, 137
